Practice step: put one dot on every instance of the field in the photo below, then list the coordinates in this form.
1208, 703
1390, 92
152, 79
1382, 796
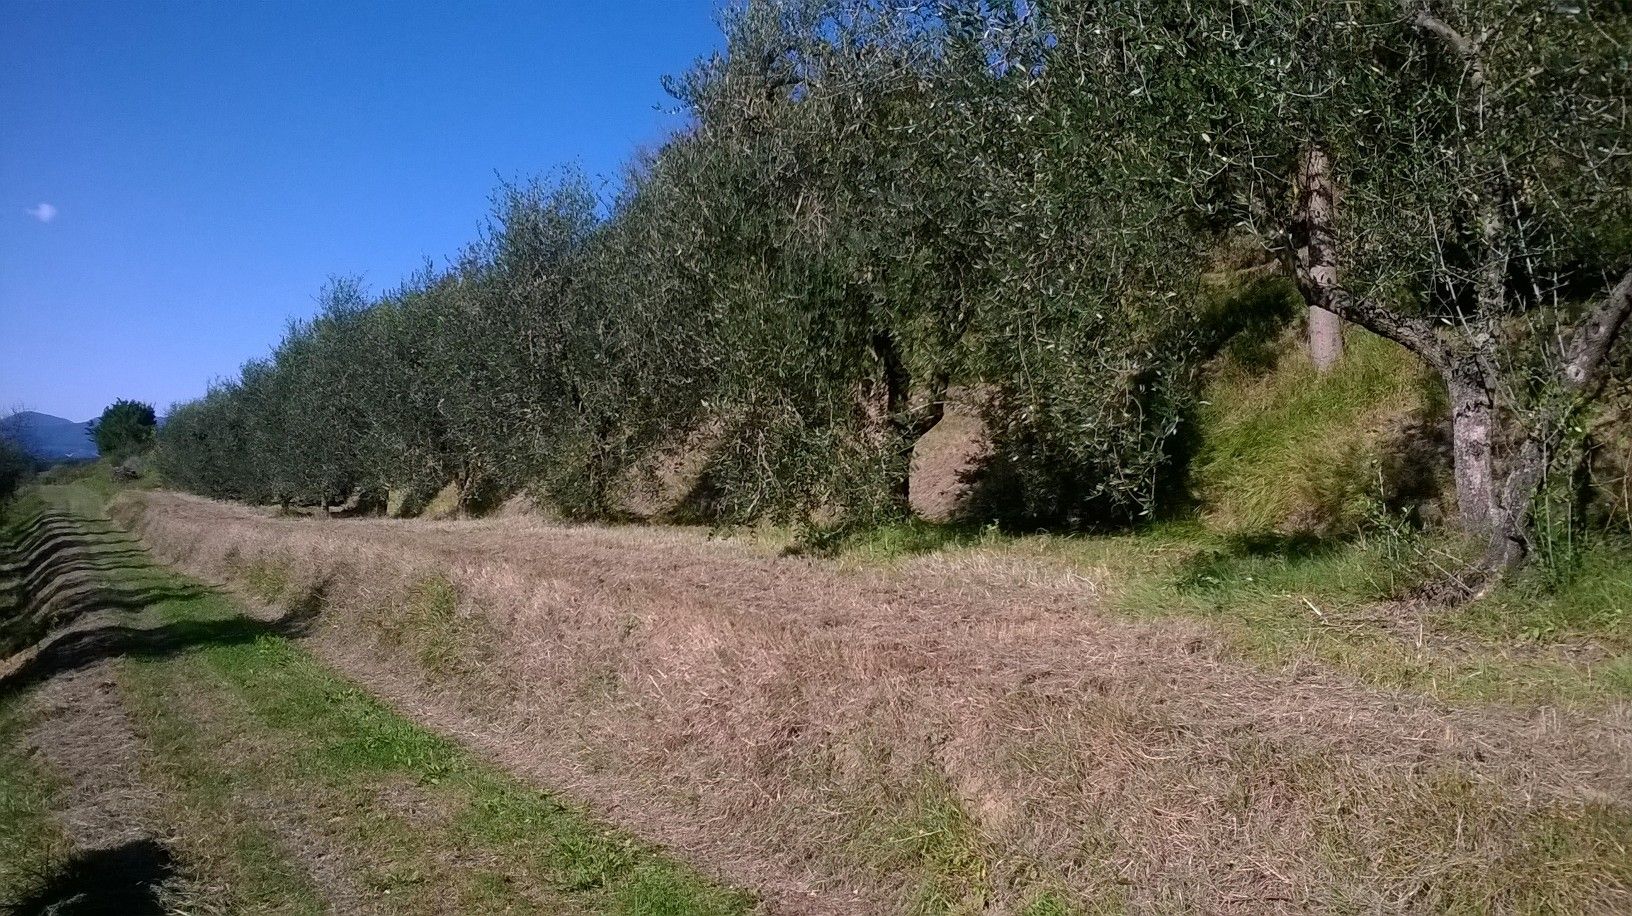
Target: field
169, 752
408, 716
974, 458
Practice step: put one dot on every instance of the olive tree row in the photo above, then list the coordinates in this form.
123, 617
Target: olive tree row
877, 202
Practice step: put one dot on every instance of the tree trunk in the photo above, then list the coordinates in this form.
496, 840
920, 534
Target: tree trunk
1510, 514
1325, 338
899, 425
1317, 213
1473, 427
1466, 365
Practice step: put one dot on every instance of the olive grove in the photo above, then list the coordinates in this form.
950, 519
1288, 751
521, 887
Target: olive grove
875, 203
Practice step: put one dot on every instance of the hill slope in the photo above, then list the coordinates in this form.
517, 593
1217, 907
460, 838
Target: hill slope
50, 438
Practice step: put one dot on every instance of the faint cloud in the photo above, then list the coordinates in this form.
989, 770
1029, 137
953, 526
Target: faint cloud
45, 213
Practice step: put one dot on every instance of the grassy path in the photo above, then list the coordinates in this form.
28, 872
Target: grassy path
283, 788
966, 731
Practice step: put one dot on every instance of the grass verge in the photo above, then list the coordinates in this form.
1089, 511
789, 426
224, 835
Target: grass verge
275, 758
1282, 599
31, 843
286, 789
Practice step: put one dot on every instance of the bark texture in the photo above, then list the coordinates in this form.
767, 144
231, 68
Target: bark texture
1325, 338
1473, 429
1317, 205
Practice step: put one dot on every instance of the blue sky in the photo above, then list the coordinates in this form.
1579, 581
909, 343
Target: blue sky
205, 166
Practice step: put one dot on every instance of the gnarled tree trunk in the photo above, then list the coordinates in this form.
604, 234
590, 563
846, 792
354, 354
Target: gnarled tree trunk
897, 422
1473, 431
1317, 244
1499, 513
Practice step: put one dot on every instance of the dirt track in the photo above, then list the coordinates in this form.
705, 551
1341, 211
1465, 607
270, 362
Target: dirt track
963, 730
121, 861
193, 758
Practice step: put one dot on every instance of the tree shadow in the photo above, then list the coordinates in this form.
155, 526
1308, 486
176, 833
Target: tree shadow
74, 583
78, 649
1299, 545
62, 587
1208, 569
57, 588
49, 554
31, 537
125, 880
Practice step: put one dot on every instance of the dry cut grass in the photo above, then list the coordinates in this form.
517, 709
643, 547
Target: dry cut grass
961, 733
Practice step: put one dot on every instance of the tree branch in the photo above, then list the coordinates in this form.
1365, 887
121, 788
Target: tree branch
1315, 259
1463, 46
1590, 342
1415, 334
1585, 355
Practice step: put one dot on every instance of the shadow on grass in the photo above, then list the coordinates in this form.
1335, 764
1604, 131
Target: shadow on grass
75, 571
125, 880
1269, 544
62, 568
1229, 561
29, 621
76, 649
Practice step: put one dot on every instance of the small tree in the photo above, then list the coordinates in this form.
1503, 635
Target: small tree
15, 463
124, 429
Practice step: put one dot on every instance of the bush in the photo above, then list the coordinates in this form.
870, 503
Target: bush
124, 429
15, 467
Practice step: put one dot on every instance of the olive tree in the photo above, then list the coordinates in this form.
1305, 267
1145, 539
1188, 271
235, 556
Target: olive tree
828, 247
1453, 176
1537, 282
1465, 188
1091, 255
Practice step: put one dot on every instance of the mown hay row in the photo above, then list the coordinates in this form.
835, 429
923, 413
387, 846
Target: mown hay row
963, 734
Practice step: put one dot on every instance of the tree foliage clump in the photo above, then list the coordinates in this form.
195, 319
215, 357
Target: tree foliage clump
125, 428
15, 467
877, 203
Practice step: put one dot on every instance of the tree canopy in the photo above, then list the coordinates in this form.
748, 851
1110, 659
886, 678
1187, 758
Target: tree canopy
125, 428
875, 204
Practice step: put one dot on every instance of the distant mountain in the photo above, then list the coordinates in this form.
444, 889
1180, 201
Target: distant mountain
50, 438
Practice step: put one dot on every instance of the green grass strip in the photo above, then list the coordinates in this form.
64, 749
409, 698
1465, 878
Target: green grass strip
270, 739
